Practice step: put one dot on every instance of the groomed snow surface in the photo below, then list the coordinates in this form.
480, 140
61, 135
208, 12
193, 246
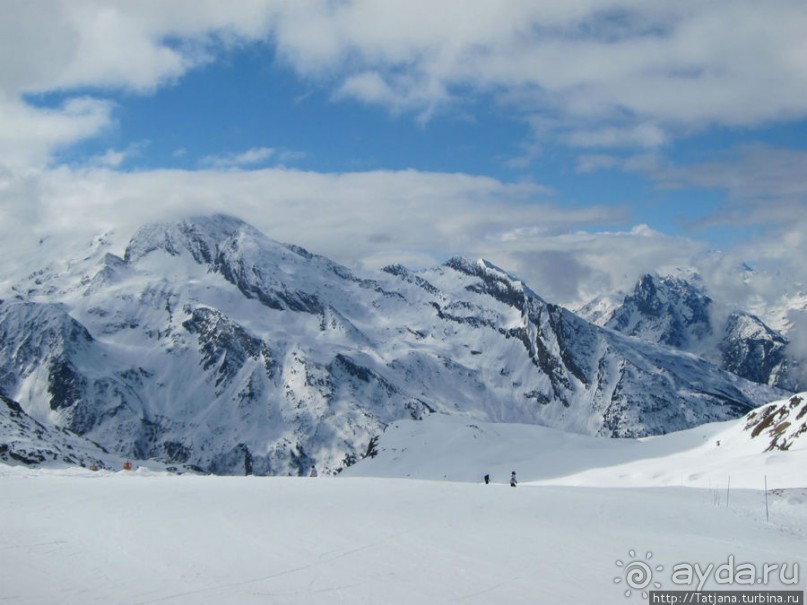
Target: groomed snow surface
415, 524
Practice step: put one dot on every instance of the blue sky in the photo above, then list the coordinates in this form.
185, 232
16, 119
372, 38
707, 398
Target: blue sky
246, 100
619, 136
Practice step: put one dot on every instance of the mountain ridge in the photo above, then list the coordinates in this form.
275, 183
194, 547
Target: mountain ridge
208, 344
674, 311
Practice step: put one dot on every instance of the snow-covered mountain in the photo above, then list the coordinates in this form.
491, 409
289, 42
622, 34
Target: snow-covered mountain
25, 441
206, 343
678, 312
666, 310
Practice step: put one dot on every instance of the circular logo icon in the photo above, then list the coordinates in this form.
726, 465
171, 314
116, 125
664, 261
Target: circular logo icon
638, 573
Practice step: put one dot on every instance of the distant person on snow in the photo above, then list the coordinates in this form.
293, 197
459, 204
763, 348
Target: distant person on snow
513, 481
487, 479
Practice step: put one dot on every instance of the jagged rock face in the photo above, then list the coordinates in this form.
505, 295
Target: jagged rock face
674, 312
751, 349
668, 310
23, 440
225, 346
779, 426
40, 345
208, 344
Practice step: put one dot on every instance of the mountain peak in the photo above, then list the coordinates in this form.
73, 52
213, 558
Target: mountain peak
668, 310
496, 282
677, 312
198, 235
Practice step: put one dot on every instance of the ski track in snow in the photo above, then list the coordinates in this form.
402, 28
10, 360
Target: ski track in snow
73, 536
415, 524
312, 566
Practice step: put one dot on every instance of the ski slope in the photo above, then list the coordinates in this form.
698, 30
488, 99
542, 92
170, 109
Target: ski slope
139, 538
712, 456
373, 536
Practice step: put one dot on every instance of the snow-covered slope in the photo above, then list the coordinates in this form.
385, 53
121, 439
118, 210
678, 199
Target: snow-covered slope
206, 343
25, 441
74, 538
738, 451
587, 511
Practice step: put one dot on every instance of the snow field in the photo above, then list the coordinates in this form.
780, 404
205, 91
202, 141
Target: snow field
460, 449
72, 536
415, 524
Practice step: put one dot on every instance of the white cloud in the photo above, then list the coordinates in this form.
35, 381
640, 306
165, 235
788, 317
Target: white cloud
114, 158
610, 74
765, 191
250, 157
640, 135
573, 267
111, 158
361, 219
727, 62
633, 73
367, 220
28, 136
63, 45
397, 92
757, 178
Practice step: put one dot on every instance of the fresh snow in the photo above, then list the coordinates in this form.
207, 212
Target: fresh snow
583, 506
76, 537
712, 456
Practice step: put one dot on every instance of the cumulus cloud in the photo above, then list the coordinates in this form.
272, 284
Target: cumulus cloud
138, 46
765, 188
736, 63
362, 219
65, 45
28, 136
601, 76
655, 69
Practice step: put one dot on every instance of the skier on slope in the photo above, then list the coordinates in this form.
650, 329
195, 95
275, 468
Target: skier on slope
513, 481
